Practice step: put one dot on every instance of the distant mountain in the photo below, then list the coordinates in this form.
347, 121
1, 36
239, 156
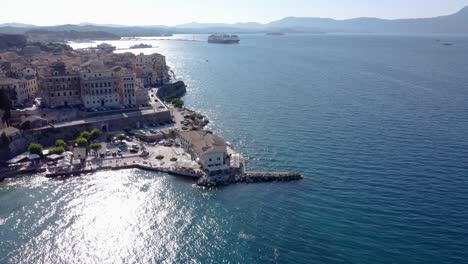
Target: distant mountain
456, 23
17, 25
451, 24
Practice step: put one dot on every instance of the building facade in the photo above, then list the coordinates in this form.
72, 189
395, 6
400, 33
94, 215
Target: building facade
60, 86
99, 86
207, 149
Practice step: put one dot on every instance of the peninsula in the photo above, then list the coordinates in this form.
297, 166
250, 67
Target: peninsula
69, 112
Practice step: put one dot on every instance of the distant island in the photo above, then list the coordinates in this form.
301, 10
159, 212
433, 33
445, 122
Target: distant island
448, 24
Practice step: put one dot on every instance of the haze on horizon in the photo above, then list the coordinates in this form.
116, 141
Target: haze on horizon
174, 12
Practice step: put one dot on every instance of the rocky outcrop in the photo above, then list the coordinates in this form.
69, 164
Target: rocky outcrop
172, 90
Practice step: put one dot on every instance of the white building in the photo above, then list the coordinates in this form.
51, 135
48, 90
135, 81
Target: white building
207, 149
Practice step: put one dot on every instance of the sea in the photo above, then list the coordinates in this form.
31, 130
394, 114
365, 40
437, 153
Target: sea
377, 124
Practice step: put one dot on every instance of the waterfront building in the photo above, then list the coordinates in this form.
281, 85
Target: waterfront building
99, 86
126, 86
207, 149
60, 86
152, 69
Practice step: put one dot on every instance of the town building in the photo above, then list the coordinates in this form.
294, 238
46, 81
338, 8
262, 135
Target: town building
99, 86
152, 69
207, 149
60, 86
15, 88
126, 86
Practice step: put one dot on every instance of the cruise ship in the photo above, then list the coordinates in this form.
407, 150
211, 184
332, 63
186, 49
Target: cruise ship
223, 39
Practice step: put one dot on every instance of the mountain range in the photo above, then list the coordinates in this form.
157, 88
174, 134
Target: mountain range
450, 24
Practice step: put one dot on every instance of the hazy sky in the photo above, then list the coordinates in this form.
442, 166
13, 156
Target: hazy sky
172, 12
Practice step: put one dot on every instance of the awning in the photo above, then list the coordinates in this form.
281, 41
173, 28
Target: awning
54, 157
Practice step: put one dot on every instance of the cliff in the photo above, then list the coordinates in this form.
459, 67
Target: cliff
174, 89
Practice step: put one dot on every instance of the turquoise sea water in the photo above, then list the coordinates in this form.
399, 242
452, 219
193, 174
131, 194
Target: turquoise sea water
378, 125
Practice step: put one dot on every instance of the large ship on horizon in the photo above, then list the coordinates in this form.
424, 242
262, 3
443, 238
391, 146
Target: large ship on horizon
224, 38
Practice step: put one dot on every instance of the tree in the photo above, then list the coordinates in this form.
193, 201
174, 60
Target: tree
121, 137
26, 125
35, 148
60, 143
85, 134
57, 150
95, 146
95, 133
172, 133
81, 141
109, 136
5, 105
177, 103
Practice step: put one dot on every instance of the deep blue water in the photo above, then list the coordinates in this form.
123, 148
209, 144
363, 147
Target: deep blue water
378, 125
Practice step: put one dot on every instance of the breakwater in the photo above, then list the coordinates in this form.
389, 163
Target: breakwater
249, 177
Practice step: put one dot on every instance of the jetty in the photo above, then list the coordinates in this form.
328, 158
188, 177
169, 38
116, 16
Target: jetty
249, 177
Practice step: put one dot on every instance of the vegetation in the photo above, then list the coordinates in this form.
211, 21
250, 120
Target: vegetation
127, 130
173, 159
57, 150
35, 148
60, 143
160, 157
172, 133
95, 134
81, 141
25, 125
109, 136
95, 146
177, 103
85, 134
121, 137
5, 105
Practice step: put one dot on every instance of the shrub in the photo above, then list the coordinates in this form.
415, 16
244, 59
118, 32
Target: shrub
81, 141
95, 133
173, 159
121, 137
35, 148
177, 103
109, 136
57, 150
95, 146
160, 157
85, 134
60, 143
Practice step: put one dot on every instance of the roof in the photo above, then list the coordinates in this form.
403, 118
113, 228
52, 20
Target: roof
204, 141
8, 81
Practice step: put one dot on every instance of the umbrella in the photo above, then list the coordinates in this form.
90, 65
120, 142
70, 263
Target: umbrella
33, 156
54, 157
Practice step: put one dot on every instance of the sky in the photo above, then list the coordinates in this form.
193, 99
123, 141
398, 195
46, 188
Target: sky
174, 12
